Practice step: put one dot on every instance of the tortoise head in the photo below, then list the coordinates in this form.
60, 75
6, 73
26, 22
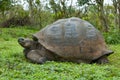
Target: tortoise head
25, 42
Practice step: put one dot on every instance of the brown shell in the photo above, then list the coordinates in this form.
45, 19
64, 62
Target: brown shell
73, 38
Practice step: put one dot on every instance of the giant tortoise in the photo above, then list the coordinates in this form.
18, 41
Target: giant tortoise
71, 39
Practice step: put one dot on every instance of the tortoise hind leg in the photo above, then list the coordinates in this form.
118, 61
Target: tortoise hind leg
102, 60
35, 56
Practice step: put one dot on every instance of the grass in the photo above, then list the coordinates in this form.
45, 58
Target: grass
14, 66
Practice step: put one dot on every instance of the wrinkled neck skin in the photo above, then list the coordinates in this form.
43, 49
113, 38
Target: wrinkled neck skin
34, 46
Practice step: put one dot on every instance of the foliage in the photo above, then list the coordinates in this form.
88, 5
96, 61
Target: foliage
5, 4
14, 66
83, 2
16, 21
112, 37
62, 9
116, 4
42, 13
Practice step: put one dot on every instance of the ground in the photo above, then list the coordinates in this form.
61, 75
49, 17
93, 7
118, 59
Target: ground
14, 66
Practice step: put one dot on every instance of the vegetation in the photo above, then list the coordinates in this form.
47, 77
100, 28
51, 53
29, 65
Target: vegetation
44, 12
14, 66
40, 13
16, 20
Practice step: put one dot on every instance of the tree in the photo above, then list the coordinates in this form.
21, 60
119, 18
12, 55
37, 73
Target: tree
83, 2
116, 4
100, 8
103, 18
119, 13
61, 8
85, 5
31, 7
5, 5
35, 11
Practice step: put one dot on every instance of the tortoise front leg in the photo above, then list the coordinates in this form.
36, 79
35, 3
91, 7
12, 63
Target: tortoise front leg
36, 57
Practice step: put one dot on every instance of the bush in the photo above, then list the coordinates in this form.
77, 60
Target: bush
112, 37
16, 21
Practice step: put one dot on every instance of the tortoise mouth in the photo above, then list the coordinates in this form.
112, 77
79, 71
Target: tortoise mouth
25, 42
21, 41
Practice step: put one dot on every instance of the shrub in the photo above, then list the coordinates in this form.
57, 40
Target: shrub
112, 37
16, 21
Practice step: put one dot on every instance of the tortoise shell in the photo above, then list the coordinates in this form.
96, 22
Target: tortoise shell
73, 38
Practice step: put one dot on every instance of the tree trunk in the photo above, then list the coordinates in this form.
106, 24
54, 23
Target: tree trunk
102, 15
64, 13
31, 14
70, 8
115, 13
119, 14
104, 20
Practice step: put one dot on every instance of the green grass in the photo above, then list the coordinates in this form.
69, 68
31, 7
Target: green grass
14, 66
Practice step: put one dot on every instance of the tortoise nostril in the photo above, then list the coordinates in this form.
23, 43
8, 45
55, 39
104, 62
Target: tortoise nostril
20, 39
